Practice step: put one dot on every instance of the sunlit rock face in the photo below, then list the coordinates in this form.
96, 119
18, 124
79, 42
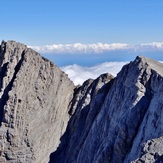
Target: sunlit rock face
45, 118
34, 99
121, 122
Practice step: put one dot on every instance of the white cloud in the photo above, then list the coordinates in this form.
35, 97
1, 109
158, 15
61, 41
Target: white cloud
154, 46
158, 45
79, 48
78, 74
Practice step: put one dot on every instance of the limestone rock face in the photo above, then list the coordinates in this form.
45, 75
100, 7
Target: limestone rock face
34, 99
121, 122
87, 103
45, 118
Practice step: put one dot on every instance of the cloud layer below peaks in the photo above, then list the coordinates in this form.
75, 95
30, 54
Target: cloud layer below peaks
79, 48
78, 74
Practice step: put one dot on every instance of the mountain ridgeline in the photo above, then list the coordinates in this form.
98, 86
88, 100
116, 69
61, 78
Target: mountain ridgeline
45, 118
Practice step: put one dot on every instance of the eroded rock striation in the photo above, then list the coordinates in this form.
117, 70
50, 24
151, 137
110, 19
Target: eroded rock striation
45, 118
121, 123
34, 99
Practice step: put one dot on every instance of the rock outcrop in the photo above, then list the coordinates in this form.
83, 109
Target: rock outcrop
45, 118
122, 122
34, 99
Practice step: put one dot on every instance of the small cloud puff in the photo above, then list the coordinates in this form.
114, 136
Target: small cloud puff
78, 74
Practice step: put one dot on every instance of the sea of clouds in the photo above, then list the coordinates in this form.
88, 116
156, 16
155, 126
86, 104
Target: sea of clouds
78, 48
78, 74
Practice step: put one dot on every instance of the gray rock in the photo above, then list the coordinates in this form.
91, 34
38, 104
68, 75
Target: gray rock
87, 103
152, 151
129, 114
34, 99
107, 120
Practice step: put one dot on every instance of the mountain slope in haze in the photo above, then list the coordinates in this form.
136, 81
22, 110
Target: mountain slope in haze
45, 118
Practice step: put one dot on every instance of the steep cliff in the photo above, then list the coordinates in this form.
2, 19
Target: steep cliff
34, 99
45, 118
122, 122
87, 103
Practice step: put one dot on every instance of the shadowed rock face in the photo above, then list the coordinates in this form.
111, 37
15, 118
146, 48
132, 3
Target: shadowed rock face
44, 116
87, 103
122, 122
34, 99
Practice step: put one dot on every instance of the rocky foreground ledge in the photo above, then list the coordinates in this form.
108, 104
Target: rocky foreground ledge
45, 118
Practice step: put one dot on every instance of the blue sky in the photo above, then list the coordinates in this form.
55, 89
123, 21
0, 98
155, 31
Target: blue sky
61, 21
87, 22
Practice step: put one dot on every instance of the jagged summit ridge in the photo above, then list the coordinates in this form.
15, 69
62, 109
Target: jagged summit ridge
125, 123
154, 65
44, 117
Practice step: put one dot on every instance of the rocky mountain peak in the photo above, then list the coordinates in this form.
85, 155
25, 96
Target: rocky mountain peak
32, 118
154, 65
45, 118
119, 128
